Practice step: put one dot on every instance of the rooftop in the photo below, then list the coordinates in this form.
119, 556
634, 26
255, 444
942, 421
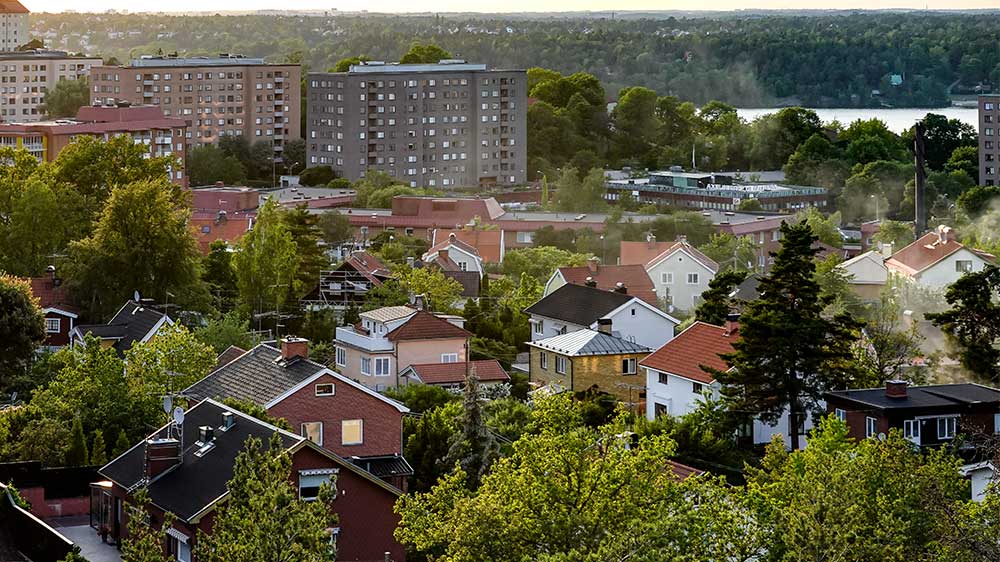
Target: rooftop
151, 61
425, 326
45, 54
388, 313
578, 304
938, 395
488, 370
650, 252
379, 67
588, 342
633, 277
928, 250
12, 7
131, 324
700, 344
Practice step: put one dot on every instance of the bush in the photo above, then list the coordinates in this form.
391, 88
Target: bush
320, 175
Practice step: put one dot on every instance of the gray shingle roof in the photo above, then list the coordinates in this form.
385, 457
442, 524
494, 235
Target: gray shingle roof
257, 376
589, 342
131, 324
578, 304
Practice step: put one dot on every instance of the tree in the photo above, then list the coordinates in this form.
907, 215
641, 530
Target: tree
473, 449
539, 262
581, 196
426, 444
343, 65
317, 175
788, 354
266, 263
66, 98
209, 164
440, 292
302, 225
172, 361
429, 53
145, 543
76, 452
224, 331
142, 243
336, 228
218, 275
122, 444
752, 205
421, 398
730, 252
942, 137
973, 321
898, 234
977, 200
716, 304
888, 348
40, 222
263, 518
964, 158
22, 328
825, 228
98, 449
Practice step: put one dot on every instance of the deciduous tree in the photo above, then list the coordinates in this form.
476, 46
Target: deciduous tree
66, 98
22, 328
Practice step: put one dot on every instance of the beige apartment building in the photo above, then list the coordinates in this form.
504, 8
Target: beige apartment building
428, 125
217, 96
13, 25
26, 76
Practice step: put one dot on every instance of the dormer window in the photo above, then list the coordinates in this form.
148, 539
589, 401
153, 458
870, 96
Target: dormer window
325, 389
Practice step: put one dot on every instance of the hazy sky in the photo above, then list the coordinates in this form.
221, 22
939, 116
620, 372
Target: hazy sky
493, 5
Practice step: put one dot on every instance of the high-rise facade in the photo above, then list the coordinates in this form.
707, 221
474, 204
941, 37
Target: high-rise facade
217, 96
989, 136
25, 77
13, 25
427, 125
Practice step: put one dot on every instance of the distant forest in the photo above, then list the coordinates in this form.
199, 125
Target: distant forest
838, 60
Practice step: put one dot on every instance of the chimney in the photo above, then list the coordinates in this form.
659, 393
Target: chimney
590, 282
451, 238
206, 434
228, 421
732, 324
886, 250
220, 184
604, 326
419, 301
650, 240
621, 288
895, 388
443, 254
682, 238
593, 263
292, 347
161, 455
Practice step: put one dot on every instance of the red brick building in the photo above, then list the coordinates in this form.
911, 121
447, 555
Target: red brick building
60, 314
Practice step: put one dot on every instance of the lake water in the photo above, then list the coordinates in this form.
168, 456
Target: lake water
897, 120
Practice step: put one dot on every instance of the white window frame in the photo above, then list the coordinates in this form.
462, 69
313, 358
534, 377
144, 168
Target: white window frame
911, 430
324, 392
49, 322
561, 364
947, 427
697, 278
379, 370
629, 366
543, 360
667, 277
304, 433
840, 414
341, 356
871, 427
538, 327
449, 358
361, 433
366, 366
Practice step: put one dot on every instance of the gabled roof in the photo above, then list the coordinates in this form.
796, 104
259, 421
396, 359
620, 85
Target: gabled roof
257, 376
132, 323
450, 241
470, 281
928, 250
941, 396
488, 243
691, 251
388, 313
607, 277
649, 253
12, 7
230, 354
367, 265
579, 304
588, 342
700, 344
488, 370
194, 486
51, 295
425, 326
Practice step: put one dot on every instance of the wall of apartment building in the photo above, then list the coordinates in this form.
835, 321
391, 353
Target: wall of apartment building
25, 78
13, 31
989, 137
427, 129
259, 102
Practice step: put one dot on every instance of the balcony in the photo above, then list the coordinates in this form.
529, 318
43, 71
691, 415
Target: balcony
279, 113
164, 140
279, 90
147, 94
279, 79
147, 82
347, 336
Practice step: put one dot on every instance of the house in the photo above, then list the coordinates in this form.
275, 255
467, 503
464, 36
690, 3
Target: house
607, 277
489, 243
185, 467
133, 323
937, 259
981, 476
676, 383
324, 406
584, 359
60, 313
452, 375
929, 416
867, 274
577, 307
230, 227
678, 270
388, 340
348, 284
452, 254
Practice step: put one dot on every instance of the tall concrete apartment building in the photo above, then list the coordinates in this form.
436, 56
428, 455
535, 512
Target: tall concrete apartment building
989, 137
217, 96
13, 25
428, 125
26, 76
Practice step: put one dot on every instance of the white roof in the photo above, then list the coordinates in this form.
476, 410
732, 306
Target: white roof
388, 313
589, 342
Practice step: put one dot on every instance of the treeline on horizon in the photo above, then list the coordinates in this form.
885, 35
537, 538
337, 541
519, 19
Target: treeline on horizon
753, 60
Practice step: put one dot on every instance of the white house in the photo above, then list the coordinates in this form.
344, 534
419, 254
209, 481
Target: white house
980, 475
678, 270
937, 259
867, 274
464, 256
676, 383
576, 307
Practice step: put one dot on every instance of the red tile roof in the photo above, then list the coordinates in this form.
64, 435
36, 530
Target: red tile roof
369, 266
51, 296
230, 230
647, 253
699, 345
461, 209
488, 370
12, 7
634, 277
487, 243
425, 326
927, 251
683, 471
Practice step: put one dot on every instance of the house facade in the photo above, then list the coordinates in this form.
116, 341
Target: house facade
937, 259
60, 314
867, 274
680, 272
133, 323
465, 257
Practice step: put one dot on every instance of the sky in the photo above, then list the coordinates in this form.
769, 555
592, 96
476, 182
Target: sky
495, 5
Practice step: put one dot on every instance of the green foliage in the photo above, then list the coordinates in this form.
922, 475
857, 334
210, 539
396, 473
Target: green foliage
122, 444
344, 64
335, 228
705, 435
421, 398
977, 200
440, 292
266, 262
964, 158
581, 196
255, 410
473, 449
224, 331
218, 276
175, 359
429, 53
22, 329
98, 449
889, 347
899, 234
66, 98
145, 542
716, 304
824, 228
263, 519
76, 452
538, 262
209, 164
488, 348
942, 137
973, 321
317, 175
426, 444
303, 227
730, 252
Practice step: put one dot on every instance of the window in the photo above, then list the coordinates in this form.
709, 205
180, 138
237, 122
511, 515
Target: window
840, 414
996, 423
660, 409
667, 277
341, 357
911, 430
628, 366
53, 325
381, 366
663, 378
697, 387
692, 278
449, 358
538, 327
963, 266
325, 389
946, 427
352, 432
311, 480
543, 360
178, 545
313, 431
871, 427
560, 364
366, 366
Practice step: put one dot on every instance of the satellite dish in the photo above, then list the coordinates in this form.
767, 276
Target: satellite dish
135, 296
881, 437
168, 404
179, 415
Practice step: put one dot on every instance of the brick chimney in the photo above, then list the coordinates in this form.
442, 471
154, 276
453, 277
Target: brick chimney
593, 263
590, 282
443, 254
895, 388
604, 325
621, 288
732, 324
650, 240
292, 347
161, 455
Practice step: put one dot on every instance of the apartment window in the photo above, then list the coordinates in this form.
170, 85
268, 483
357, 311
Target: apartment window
988, 131
352, 432
692, 278
543, 360
325, 389
366, 366
53, 325
381, 366
538, 327
946, 428
561, 364
988, 106
663, 378
871, 427
963, 266
667, 277
911, 430
313, 431
449, 358
840, 414
178, 545
525, 237
311, 480
341, 357
628, 366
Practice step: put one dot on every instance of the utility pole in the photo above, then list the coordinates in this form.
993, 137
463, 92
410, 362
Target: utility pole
919, 152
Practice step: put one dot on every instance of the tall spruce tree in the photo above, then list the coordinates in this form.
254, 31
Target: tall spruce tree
473, 448
716, 302
788, 354
76, 453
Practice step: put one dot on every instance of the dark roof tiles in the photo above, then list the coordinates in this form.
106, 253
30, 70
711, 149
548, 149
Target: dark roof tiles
578, 304
258, 377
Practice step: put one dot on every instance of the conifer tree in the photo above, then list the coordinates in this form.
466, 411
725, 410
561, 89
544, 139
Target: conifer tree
122, 444
76, 454
473, 449
716, 302
99, 450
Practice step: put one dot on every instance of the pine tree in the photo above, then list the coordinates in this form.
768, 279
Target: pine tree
716, 302
122, 444
788, 354
99, 450
76, 454
144, 543
474, 449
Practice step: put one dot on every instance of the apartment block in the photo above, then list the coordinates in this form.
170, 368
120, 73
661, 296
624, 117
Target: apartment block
145, 124
989, 130
13, 25
427, 125
217, 96
26, 76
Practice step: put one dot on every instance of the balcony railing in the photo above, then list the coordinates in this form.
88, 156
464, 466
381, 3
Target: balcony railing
348, 336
